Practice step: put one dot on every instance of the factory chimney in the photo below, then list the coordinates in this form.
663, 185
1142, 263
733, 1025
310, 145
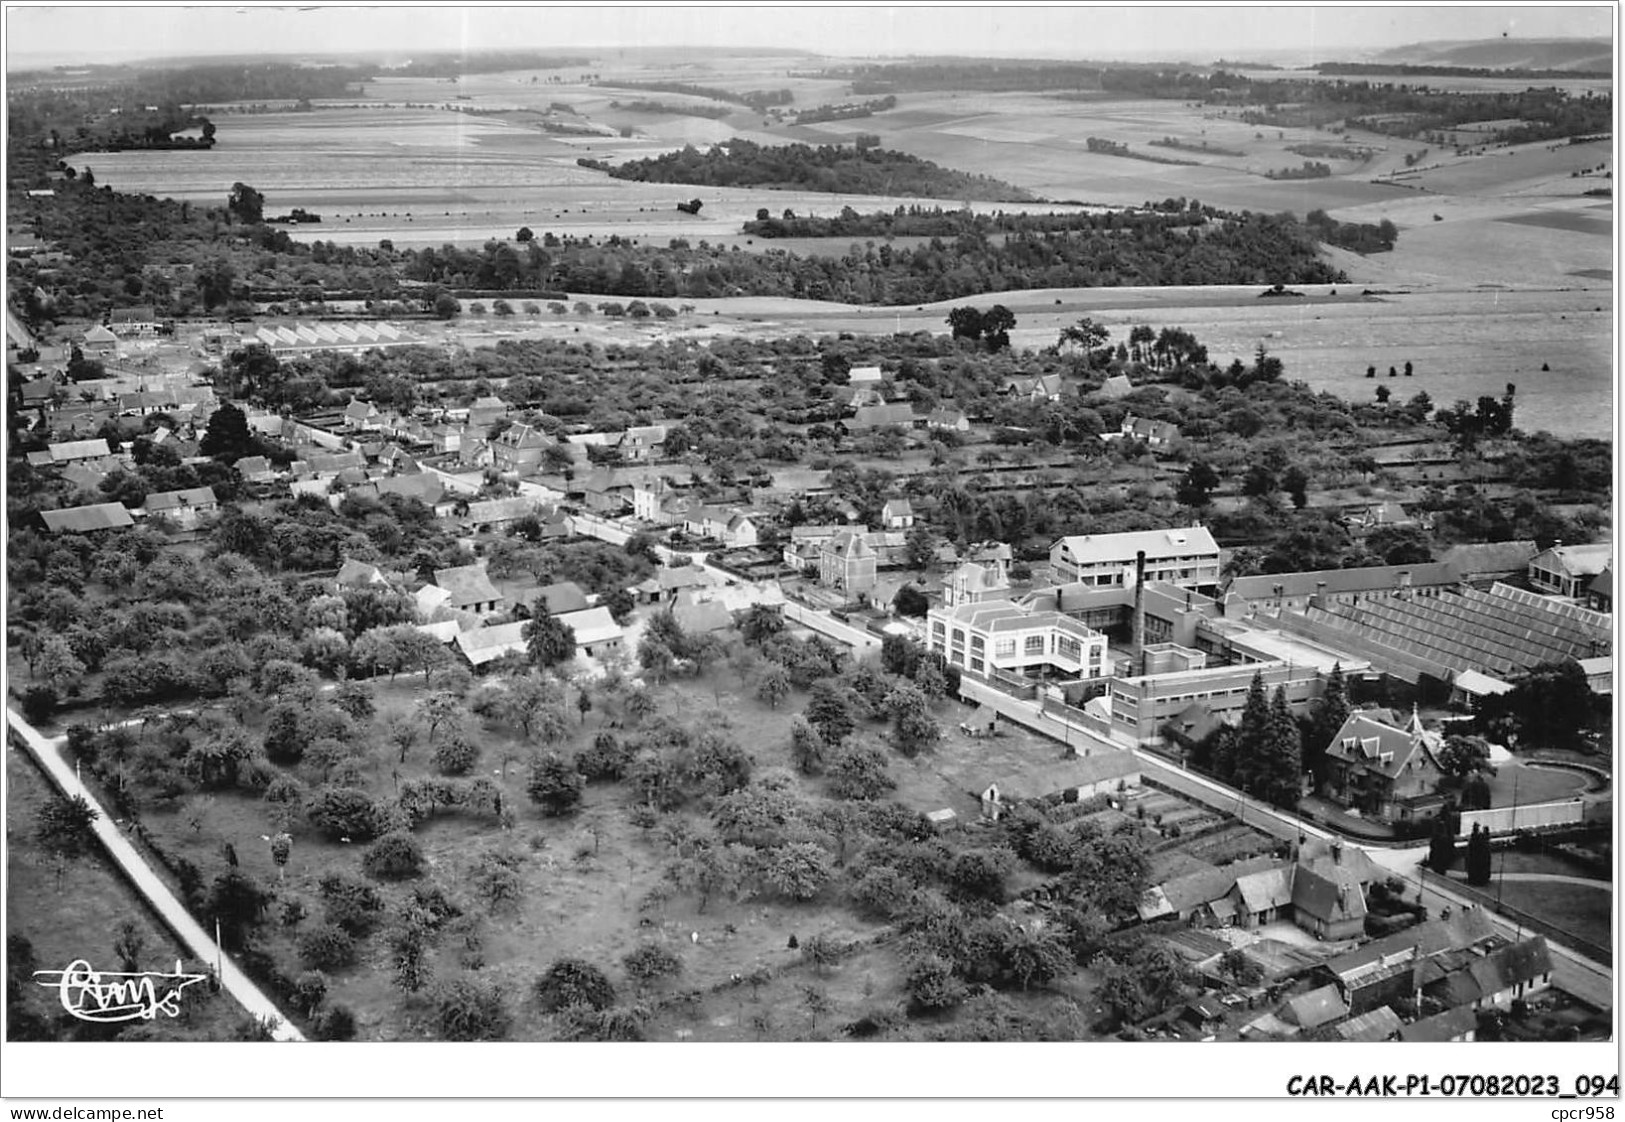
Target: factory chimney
1139, 611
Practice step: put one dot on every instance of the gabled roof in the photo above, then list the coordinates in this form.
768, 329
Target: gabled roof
1317, 1007
100, 334
78, 450
595, 625
1117, 385
850, 544
1381, 1023
1207, 885
1603, 585
702, 617
979, 578
174, 500
1577, 560
1441, 1027
252, 465
876, 416
500, 510
1330, 894
520, 437
1263, 891
84, 519
1184, 541
484, 644
897, 508
468, 584
357, 573
562, 596
1381, 747
1496, 558
425, 488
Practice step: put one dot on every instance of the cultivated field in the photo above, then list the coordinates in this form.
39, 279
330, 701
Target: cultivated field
1502, 265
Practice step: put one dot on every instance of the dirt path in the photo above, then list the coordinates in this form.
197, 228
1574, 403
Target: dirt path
1546, 878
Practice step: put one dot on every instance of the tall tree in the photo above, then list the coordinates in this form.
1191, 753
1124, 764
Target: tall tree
227, 437
549, 641
1478, 856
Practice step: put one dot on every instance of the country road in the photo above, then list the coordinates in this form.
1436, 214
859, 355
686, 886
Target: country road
147, 882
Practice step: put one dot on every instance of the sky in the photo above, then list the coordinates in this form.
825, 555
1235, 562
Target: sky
61, 35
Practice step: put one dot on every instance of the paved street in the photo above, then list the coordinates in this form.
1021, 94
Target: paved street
198, 943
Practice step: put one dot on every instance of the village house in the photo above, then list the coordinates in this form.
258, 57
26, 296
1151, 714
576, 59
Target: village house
1116, 387
359, 574
471, 590
87, 519
701, 617
1600, 592
951, 420
1154, 434
847, 562
255, 469
1187, 557
361, 416
71, 451
1201, 897
493, 515
561, 597
1493, 980
480, 645
519, 448
881, 416
667, 583
1568, 570
1043, 388
1386, 772
975, 582
897, 514
596, 631
99, 341
485, 411
1389, 970
1075, 778
184, 508
143, 402
642, 443
732, 527
864, 376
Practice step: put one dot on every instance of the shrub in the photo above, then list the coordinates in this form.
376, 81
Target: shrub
570, 981
554, 785
351, 903
326, 948
394, 857
456, 755
471, 1008
39, 703
344, 813
338, 1023
607, 759
651, 961
309, 991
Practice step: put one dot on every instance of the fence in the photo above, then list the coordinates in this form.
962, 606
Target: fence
1533, 816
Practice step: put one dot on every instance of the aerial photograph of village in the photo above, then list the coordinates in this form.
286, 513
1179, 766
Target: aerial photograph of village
515, 536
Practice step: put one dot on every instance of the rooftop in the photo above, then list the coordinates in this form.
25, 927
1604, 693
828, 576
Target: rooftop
1086, 549
84, 519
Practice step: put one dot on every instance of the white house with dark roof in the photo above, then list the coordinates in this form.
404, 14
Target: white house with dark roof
596, 631
1183, 556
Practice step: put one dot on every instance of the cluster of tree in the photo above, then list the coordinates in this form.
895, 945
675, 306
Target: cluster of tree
759, 100
1005, 76
1309, 169
715, 112
846, 112
1489, 418
829, 167
1204, 146
452, 64
934, 222
992, 326
1440, 70
1361, 237
1263, 754
1101, 146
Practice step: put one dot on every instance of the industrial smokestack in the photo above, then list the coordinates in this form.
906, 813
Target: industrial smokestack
1139, 610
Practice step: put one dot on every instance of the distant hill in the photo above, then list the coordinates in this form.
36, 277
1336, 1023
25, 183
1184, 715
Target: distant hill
1504, 54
